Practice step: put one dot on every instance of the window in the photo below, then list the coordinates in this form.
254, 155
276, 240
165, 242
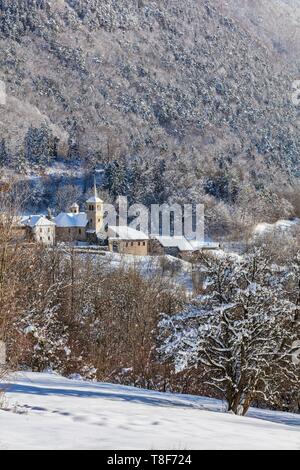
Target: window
41, 239
41, 230
139, 243
79, 231
131, 243
144, 243
126, 244
49, 238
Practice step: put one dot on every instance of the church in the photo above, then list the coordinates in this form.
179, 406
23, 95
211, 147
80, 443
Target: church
81, 226
87, 226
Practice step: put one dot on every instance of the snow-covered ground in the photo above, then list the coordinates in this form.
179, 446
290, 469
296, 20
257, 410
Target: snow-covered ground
281, 226
180, 275
46, 411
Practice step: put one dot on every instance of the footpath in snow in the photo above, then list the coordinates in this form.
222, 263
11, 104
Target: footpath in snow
46, 411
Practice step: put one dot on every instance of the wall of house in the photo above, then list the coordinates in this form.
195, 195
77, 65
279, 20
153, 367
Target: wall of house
70, 234
45, 234
130, 247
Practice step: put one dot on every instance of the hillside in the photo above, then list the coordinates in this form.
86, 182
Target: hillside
148, 78
46, 411
276, 23
185, 103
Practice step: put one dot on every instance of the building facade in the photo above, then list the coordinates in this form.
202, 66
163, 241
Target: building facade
39, 229
128, 241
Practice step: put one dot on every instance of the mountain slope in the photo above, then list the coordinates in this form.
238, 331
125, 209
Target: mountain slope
154, 79
276, 22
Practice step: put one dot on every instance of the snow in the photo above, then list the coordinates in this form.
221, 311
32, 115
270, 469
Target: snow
175, 242
280, 225
186, 245
94, 200
46, 411
65, 220
126, 233
37, 221
150, 266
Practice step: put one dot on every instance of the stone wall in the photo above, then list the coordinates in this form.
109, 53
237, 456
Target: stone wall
129, 247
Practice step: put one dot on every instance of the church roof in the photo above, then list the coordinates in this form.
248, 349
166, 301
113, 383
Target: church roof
68, 220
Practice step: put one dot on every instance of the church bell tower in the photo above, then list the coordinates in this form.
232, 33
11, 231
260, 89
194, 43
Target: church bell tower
95, 212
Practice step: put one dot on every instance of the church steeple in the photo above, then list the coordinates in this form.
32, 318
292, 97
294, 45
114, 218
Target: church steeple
95, 211
95, 188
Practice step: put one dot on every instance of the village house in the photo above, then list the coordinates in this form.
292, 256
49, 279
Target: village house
126, 240
179, 246
39, 229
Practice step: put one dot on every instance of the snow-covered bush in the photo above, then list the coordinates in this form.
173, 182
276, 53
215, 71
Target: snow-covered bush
238, 333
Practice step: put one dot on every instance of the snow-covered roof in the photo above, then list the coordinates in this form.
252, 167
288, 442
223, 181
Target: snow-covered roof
94, 200
280, 225
175, 242
126, 233
68, 219
36, 221
204, 245
182, 244
75, 205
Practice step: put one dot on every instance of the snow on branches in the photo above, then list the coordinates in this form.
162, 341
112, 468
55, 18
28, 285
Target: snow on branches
238, 333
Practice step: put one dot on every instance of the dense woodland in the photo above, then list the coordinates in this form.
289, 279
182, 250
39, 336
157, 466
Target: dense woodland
178, 103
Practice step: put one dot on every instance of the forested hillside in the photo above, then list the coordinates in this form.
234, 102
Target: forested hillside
186, 97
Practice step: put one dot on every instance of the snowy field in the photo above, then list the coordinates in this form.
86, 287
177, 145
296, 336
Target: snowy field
45, 411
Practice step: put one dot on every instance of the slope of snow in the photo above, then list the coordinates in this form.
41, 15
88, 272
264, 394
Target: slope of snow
46, 411
279, 226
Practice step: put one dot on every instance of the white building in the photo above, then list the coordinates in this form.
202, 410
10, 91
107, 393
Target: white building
40, 229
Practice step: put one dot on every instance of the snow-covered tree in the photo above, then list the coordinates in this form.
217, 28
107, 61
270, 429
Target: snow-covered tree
4, 159
238, 333
40, 145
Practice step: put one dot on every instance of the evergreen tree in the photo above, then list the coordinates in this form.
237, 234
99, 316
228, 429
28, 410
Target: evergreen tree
116, 179
4, 160
40, 145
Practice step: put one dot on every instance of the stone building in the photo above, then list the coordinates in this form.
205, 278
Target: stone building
126, 240
88, 226
39, 229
